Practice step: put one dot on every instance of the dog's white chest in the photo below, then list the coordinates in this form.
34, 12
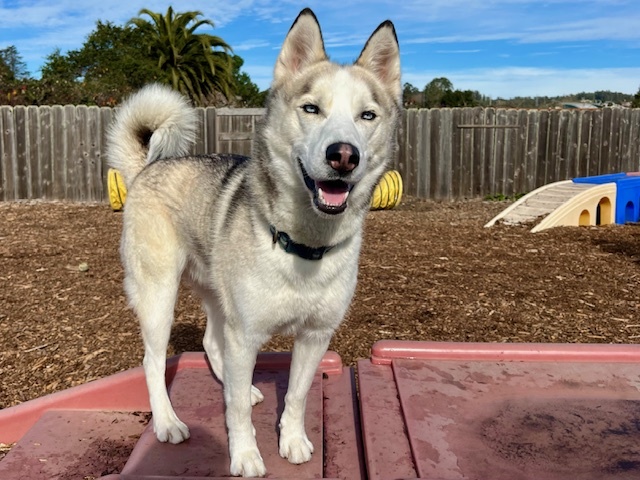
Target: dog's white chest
296, 293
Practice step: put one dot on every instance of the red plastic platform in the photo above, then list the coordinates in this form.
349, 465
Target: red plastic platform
99, 430
436, 411
442, 411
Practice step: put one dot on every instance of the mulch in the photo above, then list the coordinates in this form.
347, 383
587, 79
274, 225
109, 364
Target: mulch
429, 271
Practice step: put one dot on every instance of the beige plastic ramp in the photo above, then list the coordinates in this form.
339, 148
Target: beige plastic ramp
593, 206
562, 203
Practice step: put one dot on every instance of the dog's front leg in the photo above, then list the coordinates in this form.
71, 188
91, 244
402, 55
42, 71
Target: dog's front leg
240, 355
308, 349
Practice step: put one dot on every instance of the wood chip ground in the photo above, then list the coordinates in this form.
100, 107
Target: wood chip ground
429, 271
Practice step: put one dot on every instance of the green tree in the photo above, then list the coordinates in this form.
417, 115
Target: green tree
12, 67
439, 92
197, 64
111, 62
13, 76
411, 96
247, 93
59, 83
108, 67
635, 103
435, 90
458, 98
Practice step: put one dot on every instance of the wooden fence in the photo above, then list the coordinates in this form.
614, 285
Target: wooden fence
474, 152
57, 152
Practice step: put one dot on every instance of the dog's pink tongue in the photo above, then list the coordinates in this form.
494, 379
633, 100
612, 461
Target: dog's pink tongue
333, 194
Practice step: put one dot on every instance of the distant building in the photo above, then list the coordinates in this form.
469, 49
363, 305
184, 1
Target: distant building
580, 105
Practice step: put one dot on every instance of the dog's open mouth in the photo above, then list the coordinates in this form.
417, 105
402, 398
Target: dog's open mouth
329, 196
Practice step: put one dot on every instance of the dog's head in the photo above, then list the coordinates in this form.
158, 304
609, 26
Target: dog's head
334, 125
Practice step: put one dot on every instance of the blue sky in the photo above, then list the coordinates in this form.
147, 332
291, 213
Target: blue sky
502, 48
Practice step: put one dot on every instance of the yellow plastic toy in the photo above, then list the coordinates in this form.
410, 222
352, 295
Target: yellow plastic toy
117, 189
388, 191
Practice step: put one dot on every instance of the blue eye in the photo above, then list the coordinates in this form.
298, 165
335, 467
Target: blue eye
310, 108
368, 115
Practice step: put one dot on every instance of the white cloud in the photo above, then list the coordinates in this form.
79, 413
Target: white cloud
456, 52
602, 28
466, 38
250, 45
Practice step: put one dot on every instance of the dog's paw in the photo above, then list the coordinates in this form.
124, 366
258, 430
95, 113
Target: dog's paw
174, 431
256, 395
248, 463
296, 448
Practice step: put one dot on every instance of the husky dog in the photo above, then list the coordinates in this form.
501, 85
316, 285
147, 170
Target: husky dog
270, 244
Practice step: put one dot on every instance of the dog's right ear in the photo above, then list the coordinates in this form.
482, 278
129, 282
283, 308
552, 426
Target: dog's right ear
302, 47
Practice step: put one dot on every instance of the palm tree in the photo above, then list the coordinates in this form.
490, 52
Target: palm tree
196, 64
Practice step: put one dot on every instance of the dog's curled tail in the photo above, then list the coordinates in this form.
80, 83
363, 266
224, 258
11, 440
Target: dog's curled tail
156, 122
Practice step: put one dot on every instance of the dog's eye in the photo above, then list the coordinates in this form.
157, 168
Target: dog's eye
368, 115
310, 108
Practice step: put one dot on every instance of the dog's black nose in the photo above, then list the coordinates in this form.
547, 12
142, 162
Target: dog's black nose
343, 157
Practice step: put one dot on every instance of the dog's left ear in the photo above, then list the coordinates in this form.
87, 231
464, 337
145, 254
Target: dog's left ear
302, 47
381, 55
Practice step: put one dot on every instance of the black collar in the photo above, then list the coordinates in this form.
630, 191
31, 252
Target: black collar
289, 246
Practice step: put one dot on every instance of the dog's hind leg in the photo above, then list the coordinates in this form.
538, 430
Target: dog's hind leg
156, 317
308, 349
213, 341
151, 282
